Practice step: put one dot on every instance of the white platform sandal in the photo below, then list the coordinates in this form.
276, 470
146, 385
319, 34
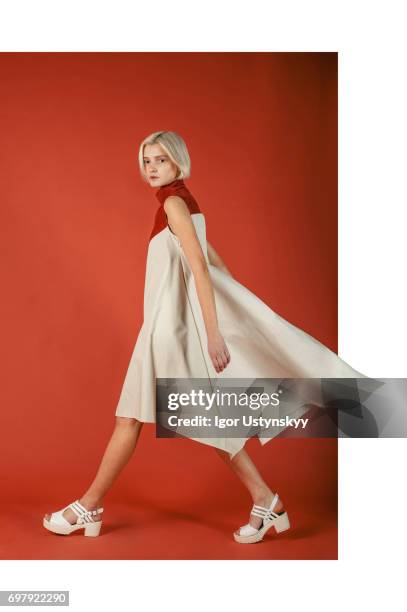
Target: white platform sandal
59, 524
279, 520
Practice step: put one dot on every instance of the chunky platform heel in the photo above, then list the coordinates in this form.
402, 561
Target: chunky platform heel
59, 524
93, 529
279, 520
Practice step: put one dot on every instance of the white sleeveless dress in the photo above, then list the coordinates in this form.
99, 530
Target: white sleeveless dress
172, 341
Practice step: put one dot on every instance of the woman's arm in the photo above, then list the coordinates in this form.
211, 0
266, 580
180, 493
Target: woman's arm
216, 260
181, 224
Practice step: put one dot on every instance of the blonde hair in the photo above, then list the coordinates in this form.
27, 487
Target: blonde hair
174, 146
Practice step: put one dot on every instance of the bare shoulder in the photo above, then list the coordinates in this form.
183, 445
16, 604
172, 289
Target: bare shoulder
175, 204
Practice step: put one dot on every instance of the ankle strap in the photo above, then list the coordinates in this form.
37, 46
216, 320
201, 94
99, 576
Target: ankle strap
261, 510
81, 511
274, 502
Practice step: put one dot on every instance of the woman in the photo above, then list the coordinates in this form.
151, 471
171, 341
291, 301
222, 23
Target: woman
190, 298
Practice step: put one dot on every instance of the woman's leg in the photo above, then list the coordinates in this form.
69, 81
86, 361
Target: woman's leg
118, 452
245, 469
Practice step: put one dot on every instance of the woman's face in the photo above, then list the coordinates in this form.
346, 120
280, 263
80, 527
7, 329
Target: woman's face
159, 168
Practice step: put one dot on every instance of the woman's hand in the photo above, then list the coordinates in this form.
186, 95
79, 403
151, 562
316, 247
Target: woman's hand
218, 351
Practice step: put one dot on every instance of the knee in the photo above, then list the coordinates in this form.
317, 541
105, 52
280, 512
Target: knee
129, 422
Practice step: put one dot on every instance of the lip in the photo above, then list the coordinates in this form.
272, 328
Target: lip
154, 177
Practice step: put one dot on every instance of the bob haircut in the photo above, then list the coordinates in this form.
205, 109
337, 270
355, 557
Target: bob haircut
174, 146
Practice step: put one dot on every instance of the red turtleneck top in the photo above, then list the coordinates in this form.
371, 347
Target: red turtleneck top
178, 188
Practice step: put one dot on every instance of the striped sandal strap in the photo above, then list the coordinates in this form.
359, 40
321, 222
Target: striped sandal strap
84, 515
266, 513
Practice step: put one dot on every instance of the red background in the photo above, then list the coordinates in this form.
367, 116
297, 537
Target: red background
261, 129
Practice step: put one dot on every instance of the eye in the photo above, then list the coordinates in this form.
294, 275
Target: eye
162, 159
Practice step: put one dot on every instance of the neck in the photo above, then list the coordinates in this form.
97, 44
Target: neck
175, 180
